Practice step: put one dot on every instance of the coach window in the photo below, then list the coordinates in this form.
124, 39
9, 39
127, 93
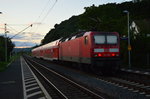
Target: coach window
85, 40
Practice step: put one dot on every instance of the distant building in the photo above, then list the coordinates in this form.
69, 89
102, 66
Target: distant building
140, 27
135, 28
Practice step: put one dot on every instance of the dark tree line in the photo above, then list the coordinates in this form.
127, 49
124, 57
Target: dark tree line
10, 47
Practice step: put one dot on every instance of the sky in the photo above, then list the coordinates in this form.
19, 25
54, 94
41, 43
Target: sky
18, 15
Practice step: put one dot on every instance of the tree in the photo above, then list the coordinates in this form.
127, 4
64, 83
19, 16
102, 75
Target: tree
10, 47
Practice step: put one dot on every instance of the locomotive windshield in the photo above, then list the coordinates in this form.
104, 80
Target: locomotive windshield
105, 39
111, 39
99, 39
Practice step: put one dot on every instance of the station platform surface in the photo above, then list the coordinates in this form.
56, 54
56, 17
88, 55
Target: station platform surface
11, 81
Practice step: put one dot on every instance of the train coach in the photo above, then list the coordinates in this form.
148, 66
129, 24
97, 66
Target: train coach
48, 51
97, 51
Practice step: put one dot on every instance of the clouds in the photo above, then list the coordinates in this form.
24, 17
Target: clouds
26, 39
24, 44
26, 35
23, 35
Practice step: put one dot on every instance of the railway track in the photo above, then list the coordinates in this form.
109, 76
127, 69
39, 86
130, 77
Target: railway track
141, 88
128, 85
61, 86
136, 76
138, 72
135, 81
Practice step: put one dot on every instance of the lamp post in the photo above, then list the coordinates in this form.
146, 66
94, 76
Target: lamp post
129, 45
5, 43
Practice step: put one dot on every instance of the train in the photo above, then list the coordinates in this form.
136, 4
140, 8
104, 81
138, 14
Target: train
92, 50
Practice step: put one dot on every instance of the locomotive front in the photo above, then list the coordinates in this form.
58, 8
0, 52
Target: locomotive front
105, 51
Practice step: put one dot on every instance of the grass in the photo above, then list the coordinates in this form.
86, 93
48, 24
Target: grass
3, 65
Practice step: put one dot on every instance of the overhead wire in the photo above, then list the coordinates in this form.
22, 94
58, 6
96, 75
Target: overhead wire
41, 13
21, 31
11, 28
48, 12
43, 10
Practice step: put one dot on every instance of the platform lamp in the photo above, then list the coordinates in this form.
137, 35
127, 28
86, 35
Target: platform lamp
129, 45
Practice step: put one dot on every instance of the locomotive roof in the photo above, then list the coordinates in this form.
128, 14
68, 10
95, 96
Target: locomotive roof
71, 37
54, 43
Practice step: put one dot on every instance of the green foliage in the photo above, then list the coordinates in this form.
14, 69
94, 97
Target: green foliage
103, 18
3, 66
10, 47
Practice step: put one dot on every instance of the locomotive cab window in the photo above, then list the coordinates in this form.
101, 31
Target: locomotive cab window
111, 39
105, 39
99, 39
85, 40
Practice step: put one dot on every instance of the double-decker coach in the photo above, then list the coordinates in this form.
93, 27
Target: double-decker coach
48, 51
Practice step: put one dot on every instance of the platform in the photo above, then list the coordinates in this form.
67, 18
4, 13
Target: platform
11, 82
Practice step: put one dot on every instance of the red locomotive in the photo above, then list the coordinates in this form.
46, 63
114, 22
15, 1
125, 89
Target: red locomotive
96, 50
